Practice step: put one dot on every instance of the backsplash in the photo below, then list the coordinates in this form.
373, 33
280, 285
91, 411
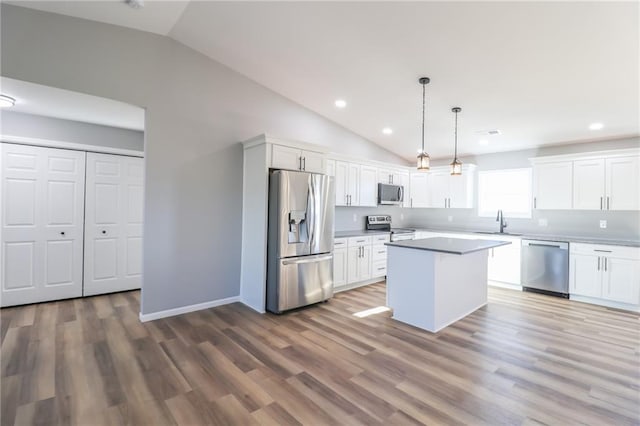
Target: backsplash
620, 224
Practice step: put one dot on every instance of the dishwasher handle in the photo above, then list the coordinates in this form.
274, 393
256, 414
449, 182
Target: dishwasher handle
551, 244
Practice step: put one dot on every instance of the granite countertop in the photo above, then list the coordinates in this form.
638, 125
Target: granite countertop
449, 245
545, 237
357, 233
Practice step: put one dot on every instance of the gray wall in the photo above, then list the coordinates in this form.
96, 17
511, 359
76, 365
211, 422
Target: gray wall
193, 160
620, 224
37, 126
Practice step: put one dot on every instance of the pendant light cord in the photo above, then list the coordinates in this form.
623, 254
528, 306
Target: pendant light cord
423, 107
455, 152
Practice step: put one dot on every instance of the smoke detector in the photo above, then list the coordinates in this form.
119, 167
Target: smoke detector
135, 4
492, 132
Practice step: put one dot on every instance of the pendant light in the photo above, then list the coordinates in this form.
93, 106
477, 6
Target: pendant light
423, 157
456, 165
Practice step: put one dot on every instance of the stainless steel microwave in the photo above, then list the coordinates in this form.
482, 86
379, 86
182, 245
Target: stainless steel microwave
390, 194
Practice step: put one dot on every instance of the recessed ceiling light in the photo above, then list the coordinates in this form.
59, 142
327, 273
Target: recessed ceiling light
596, 126
341, 103
387, 130
6, 101
483, 142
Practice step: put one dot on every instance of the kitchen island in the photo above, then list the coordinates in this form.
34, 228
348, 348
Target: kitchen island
434, 282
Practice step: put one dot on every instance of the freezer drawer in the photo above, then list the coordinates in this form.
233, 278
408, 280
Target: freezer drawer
300, 281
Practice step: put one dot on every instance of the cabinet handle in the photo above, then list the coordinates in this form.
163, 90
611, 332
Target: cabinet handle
605, 264
304, 163
300, 163
445, 203
598, 263
600, 203
411, 202
380, 269
607, 203
602, 251
534, 202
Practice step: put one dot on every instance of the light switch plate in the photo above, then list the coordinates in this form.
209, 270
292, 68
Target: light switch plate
450, 218
542, 222
603, 224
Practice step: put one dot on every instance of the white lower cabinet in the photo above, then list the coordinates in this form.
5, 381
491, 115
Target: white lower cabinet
339, 263
359, 260
605, 273
504, 261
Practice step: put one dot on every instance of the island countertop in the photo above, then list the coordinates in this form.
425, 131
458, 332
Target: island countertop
449, 245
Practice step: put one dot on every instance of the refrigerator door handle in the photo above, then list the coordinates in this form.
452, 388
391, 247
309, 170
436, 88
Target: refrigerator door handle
308, 259
311, 214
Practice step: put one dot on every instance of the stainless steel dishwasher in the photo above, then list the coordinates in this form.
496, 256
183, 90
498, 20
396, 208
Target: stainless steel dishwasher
545, 267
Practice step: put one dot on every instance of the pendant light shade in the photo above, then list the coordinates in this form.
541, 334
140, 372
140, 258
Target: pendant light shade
423, 158
456, 165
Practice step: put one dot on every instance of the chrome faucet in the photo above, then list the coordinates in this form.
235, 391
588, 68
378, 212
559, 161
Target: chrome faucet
503, 222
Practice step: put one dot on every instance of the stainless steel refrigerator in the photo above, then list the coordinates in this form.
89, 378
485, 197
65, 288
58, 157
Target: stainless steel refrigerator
300, 243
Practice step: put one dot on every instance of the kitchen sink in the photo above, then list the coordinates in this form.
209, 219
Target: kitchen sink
509, 234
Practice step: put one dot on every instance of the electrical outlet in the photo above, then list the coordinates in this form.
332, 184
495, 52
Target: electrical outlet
603, 224
542, 222
355, 217
450, 218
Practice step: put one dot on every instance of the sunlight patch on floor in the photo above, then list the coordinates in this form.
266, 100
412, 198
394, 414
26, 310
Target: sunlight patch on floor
372, 311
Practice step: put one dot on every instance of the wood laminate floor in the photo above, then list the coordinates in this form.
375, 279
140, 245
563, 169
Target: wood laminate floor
523, 359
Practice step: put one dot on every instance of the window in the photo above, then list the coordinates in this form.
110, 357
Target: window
507, 190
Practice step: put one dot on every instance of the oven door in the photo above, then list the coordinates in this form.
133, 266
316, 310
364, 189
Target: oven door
390, 194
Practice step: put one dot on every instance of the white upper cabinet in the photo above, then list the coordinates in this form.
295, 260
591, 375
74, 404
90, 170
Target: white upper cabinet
341, 174
290, 158
404, 181
368, 195
552, 185
606, 180
330, 167
622, 181
389, 176
419, 191
588, 184
353, 184
447, 191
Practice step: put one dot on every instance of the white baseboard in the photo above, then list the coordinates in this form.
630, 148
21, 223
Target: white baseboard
186, 309
606, 303
505, 285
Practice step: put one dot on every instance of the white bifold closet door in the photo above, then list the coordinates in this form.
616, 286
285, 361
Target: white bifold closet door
42, 204
113, 223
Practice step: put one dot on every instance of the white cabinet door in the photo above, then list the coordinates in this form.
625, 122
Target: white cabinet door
330, 167
113, 226
365, 263
340, 267
368, 195
585, 275
42, 219
404, 181
342, 189
588, 184
461, 190
439, 189
552, 186
353, 184
385, 176
621, 280
353, 264
313, 162
623, 183
504, 263
418, 187
285, 157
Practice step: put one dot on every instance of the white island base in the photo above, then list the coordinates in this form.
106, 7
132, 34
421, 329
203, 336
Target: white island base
432, 290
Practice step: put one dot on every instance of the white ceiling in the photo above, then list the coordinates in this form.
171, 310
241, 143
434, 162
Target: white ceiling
540, 72
52, 102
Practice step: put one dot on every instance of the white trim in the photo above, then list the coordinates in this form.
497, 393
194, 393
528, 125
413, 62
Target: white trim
603, 302
516, 287
186, 309
351, 286
628, 152
69, 145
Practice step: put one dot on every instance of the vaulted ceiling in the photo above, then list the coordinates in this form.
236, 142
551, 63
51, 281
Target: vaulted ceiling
540, 72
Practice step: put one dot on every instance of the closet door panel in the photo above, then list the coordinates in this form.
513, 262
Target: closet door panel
42, 223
